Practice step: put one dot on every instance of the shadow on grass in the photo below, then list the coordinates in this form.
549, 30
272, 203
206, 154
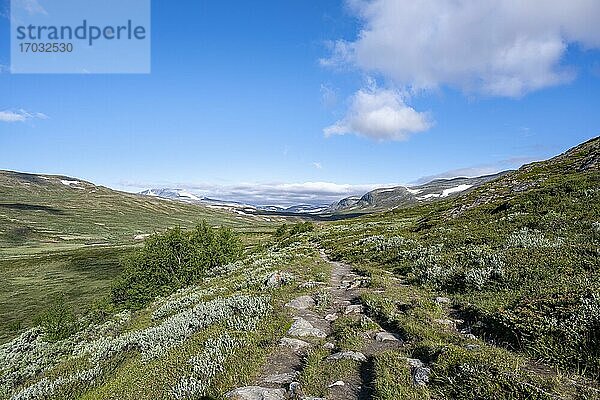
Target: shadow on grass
31, 207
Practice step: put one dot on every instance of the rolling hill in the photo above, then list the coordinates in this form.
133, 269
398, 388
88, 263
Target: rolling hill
404, 196
42, 212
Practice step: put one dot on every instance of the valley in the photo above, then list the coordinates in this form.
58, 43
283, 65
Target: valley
491, 292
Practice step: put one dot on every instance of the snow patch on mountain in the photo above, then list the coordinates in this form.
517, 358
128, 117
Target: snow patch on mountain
459, 188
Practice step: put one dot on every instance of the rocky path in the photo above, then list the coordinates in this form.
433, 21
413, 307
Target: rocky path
279, 378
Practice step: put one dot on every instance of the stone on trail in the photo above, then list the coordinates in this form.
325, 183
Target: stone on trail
302, 327
329, 346
442, 300
301, 303
294, 344
256, 393
354, 308
348, 355
331, 317
387, 337
337, 383
281, 379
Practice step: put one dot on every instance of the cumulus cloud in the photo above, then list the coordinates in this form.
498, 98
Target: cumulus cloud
380, 114
20, 116
497, 47
283, 194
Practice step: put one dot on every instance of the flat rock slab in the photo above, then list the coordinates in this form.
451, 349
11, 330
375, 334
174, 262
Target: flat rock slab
256, 393
294, 344
302, 328
281, 379
387, 337
301, 303
348, 355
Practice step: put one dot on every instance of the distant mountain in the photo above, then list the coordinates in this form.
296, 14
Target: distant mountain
401, 196
185, 196
173, 194
375, 200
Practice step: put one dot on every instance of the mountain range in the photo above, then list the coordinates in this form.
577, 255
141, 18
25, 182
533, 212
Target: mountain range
378, 199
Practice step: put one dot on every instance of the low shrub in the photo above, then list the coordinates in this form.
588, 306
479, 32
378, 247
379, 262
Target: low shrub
173, 260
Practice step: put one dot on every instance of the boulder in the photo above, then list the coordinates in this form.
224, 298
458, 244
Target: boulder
302, 327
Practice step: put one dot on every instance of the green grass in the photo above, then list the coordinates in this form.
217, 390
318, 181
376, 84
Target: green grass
30, 284
318, 372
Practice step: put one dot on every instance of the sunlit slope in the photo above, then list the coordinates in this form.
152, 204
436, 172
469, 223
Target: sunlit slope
56, 212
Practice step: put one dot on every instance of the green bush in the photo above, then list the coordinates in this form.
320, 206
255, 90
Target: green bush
281, 230
58, 321
173, 260
302, 227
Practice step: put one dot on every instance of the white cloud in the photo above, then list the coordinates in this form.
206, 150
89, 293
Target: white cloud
19, 116
496, 47
284, 194
317, 165
380, 114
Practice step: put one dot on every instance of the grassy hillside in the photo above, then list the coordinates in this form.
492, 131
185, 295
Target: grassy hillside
519, 261
63, 238
44, 212
492, 295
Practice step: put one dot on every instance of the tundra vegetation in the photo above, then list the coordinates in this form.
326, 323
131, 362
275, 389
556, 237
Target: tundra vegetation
492, 295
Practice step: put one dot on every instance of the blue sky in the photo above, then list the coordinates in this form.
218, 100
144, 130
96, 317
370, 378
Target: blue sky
316, 100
